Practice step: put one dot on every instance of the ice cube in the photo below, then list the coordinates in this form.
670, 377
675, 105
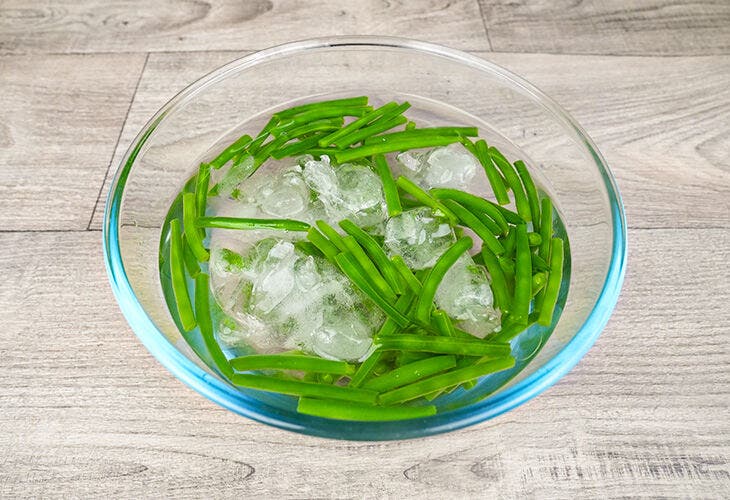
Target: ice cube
419, 235
286, 195
465, 295
452, 166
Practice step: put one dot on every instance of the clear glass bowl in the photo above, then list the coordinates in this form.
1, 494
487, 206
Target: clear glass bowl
562, 156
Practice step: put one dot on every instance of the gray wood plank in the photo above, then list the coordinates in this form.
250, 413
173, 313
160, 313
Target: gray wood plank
668, 147
653, 27
88, 412
59, 121
124, 26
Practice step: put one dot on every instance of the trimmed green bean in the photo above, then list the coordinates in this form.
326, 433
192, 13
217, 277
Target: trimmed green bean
515, 184
202, 181
243, 223
370, 270
323, 124
531, 192
392, 199
546, 228
523, 277
202, 313
191, 263
177, 277
357, 124
348, 101
508, 332
534, 239
497, 282
386, 267
475, 204
194, 239
299, 388
424, 141
308, 248
385, 123
539, 280
296, 148
539, 264
552, 289
509, 243
471, 221
407, 374
434, 277
442, 345
361, 413
352, 270
443, 381
255, 145
493, 176
233, 150
410, 125
332, 235
420, 132
443, 323
291, 362
323, 244
426, 199
410, 279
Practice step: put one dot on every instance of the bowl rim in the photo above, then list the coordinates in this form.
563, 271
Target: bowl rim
226, 396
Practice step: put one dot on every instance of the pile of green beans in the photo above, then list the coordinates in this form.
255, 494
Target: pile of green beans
419, 350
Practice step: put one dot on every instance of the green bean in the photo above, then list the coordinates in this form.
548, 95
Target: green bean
427, 131
385, 123
422, 141
546, 228
233, 150
508, 269
357, 124
539, 280
352, 270
191, 263
426, 199
494, 177
177, 277
321, 114
539, 264
497, 280
509, 243
389, 270
191, 231
432, 281
323, 244
531, 192
443, 323
471, 221
296, 148
509, 215
283, 138
255, 145
306, 389
475, 204
291, 362
361, 413
410, 125
248, 223
392, 199
508, 332
443, 381
523, 277
202, 313
348, 101
202, 181
407, 275
442, 345
370, 271
523, 206
325, 124
552, 289
534, 239
308, 248
407, 374
332, 235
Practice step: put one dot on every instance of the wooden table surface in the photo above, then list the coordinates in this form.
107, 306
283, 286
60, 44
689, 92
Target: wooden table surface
85, 411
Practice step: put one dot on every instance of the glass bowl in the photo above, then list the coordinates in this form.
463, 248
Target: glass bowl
514, 112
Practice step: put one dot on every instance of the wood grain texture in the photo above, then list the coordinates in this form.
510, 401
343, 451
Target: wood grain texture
195, 25
59, 121
650, 27
86, 411
661, 123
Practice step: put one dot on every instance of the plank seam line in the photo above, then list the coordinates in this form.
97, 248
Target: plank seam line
484, 22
